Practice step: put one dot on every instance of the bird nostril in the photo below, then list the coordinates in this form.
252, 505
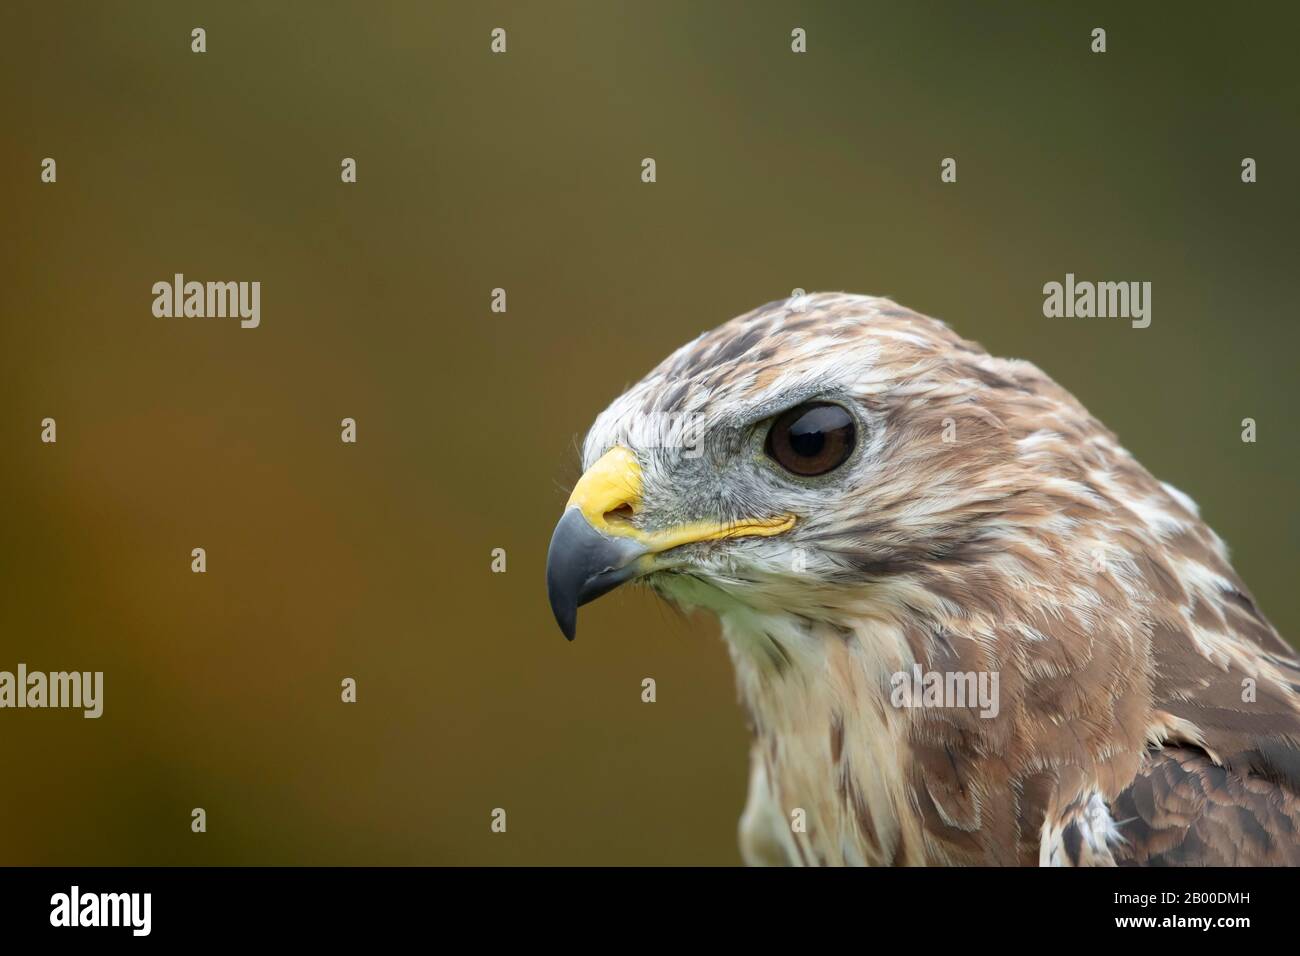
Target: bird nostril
620, 515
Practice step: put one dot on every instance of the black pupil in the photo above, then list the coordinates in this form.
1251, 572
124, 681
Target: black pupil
807, 438
808, 434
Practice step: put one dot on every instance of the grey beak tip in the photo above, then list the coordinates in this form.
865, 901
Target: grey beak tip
581, 565
565, 572
565, 609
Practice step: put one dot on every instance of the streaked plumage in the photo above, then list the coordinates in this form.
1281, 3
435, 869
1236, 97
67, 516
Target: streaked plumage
1148, 711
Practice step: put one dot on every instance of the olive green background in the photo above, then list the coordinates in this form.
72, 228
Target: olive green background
522, 171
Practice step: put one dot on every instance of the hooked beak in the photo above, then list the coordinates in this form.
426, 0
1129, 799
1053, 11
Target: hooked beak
597, 546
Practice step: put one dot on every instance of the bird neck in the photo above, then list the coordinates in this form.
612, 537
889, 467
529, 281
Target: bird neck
828, 780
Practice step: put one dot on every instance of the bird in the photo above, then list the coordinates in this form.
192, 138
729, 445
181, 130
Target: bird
967, 626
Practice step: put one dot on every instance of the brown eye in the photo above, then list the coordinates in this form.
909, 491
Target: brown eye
812, 439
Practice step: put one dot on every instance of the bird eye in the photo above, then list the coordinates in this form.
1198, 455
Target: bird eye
812, 439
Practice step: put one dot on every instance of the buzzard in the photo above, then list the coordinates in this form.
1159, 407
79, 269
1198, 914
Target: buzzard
883, 515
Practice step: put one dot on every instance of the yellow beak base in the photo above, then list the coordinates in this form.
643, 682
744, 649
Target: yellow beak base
609, 497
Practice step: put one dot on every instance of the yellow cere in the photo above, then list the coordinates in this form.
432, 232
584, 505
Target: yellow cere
610, 493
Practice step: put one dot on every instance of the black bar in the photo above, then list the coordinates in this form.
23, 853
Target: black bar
943, 907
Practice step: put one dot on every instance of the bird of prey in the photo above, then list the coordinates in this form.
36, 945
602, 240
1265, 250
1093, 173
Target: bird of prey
886, 518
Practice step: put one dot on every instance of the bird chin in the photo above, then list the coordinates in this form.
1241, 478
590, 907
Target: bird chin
690, 590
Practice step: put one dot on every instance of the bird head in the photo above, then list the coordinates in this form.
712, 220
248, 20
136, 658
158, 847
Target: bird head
858, 493
802, 458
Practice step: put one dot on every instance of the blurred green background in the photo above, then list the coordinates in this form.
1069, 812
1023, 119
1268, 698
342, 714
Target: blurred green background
521, 171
